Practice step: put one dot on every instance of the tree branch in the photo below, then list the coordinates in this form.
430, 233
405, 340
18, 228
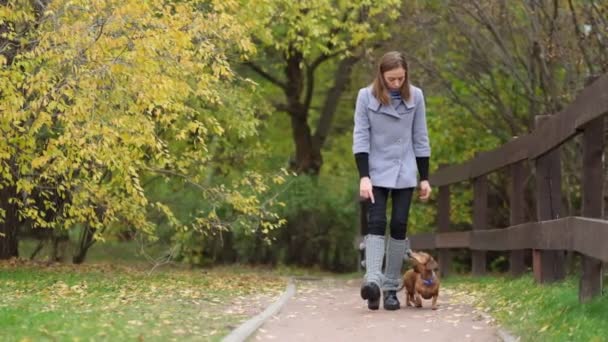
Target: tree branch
342, 77
281, 107
483, 20
266, 75
480, 42
458, 99
310, 74
580, 37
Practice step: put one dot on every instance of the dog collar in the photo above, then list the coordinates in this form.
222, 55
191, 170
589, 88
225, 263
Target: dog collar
429, 282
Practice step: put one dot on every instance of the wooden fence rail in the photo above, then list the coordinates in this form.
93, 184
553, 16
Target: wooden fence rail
591, 104
551, 234
584, 235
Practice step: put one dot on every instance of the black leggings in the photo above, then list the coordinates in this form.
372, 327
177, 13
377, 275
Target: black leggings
399, 215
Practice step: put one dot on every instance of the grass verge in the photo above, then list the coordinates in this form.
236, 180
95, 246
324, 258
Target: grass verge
535, 312
117, 302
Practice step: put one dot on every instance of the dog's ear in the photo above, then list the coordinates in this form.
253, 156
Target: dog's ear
417, 265
431, 265
416, 258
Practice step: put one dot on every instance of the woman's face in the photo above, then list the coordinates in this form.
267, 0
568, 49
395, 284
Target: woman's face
394, 78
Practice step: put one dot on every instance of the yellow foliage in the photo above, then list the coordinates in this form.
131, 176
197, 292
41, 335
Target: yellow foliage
102, 92
322, 27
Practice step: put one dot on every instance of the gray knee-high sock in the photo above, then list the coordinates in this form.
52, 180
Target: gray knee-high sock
374, 253
394, 260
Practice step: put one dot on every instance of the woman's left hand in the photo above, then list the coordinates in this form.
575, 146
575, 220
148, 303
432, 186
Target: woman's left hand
425, 191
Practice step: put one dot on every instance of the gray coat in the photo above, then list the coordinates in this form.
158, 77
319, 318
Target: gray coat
393, 136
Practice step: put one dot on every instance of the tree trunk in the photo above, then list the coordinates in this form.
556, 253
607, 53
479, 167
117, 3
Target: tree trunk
9, 242
308, 158
86, 241
9, 245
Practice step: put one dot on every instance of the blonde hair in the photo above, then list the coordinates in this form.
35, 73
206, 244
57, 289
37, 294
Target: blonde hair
391, 60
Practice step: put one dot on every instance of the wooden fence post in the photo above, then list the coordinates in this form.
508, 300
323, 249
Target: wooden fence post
480, 221
517, 214
443, 222
549, 266
593, 180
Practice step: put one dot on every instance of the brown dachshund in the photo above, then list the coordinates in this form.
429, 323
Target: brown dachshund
421, 280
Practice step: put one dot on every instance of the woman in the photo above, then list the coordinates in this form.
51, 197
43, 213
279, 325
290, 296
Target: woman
391, 144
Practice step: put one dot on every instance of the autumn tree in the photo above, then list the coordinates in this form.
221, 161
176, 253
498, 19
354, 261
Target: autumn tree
97, 95
504, 62
491, 66
303, 36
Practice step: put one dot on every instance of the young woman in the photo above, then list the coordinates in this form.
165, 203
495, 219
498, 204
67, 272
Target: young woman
391, 145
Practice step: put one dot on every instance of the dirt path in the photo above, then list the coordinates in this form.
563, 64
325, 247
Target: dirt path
332, 310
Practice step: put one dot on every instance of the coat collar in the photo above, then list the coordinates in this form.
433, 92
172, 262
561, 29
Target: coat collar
410, 103
376, 106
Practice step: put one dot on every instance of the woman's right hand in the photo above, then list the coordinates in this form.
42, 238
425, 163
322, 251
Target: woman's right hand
365, 189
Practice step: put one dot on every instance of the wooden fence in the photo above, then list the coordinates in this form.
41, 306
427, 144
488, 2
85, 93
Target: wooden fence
552, 234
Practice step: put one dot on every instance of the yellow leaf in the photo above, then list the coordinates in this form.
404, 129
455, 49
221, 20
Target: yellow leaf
39, 161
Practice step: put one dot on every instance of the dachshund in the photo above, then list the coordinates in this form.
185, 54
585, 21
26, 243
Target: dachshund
421, 281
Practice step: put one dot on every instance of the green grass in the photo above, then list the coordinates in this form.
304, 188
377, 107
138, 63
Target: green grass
118, 303
535, 312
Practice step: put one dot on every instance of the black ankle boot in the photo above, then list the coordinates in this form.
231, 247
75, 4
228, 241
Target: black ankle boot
371, 292
390, 300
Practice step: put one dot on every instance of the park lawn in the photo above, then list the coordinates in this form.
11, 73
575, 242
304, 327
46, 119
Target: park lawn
119, 302
534, 312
